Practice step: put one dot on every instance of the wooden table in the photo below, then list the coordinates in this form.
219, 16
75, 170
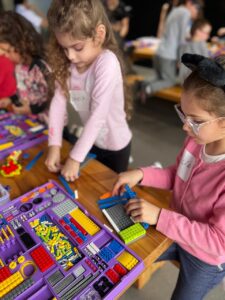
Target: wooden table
215, 49
95, 180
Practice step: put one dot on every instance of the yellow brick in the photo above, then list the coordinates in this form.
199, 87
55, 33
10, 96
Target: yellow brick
127, 260
30, 123
6, 145
84, 221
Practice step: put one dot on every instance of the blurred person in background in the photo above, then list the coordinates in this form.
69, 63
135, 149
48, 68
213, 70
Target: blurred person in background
32, 14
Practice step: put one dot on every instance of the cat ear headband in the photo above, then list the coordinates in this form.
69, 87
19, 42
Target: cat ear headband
207, 68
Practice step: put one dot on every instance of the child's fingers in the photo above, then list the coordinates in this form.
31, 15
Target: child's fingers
138, 219
52, 167
135, 213
68, 176
132, 205
117, 188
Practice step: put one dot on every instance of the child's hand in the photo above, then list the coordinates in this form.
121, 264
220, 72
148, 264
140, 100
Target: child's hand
71, 169
24, 109
4, 102
131, 178
142, 211
53, 159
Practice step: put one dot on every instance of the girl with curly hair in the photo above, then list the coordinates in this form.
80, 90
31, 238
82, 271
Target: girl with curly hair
85, 61
20, 42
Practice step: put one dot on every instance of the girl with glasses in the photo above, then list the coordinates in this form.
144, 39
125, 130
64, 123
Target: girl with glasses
196, 218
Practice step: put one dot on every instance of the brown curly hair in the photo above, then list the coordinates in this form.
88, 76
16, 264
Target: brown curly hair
20, 34
80, 19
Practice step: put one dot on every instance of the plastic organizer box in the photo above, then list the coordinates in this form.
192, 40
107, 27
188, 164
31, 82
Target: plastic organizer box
19, 132
51, 248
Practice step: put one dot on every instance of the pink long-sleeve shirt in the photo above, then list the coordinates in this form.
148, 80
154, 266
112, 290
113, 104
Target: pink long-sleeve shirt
98, 97
197, 219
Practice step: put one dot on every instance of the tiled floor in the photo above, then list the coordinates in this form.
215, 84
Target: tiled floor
157, 136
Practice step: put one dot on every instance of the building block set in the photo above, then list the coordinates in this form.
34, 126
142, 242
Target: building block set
19, 132
113, 208
51, 248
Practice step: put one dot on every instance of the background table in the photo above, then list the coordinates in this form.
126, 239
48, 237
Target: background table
95, 180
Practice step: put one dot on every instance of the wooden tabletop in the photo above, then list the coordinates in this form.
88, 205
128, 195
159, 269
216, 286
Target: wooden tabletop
148, 52
95, 180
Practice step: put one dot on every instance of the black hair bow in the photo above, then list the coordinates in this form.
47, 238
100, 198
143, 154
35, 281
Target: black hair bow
207, 68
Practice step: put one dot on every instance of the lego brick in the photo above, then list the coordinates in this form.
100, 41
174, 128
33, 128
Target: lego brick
127, 260
55, 278
118, 217
10, 283
115, 246
132, 233
79, 271
64, 208
106, 254
19, 290
42, 259
4, 273
84, 221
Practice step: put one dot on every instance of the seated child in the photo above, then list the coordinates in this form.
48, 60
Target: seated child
200, 32
25, 48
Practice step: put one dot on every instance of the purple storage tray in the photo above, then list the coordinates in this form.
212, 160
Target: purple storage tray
25, 141
40, 205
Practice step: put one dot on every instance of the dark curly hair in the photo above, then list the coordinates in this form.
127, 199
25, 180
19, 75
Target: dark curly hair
20, 34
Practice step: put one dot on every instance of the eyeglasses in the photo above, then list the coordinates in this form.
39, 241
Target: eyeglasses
195, 126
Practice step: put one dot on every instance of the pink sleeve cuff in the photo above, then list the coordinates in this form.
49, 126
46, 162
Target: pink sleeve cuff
163, 221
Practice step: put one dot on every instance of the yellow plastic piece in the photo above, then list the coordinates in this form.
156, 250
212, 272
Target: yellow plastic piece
21, 259
6, 146
10, 283
1, 263
9, 230
4, 233
127, 260
30, 123
34, 223
1, 240
12, 265
84, 221
27, 263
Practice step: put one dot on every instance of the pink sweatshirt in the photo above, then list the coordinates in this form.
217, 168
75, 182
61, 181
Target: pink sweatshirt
197, 222
98, 97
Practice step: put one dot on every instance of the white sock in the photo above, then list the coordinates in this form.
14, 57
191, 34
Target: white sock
148, 89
